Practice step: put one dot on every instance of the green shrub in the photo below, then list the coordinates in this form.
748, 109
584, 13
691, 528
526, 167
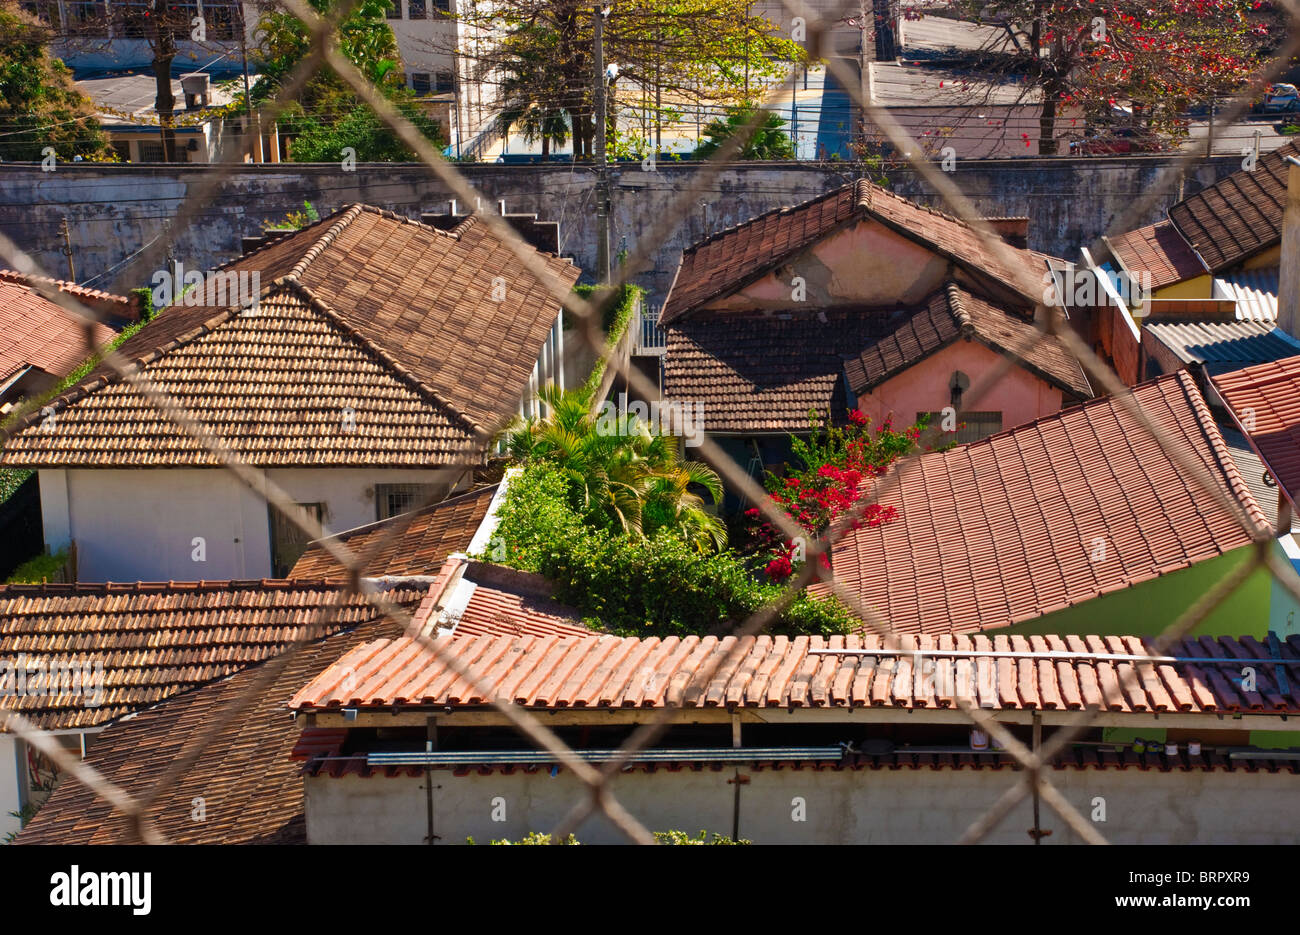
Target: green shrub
655, 586
41, 568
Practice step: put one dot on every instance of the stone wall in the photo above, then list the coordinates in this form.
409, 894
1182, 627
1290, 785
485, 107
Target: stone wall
114, 210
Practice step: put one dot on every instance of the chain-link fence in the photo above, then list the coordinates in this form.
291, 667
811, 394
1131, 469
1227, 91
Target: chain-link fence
325, 53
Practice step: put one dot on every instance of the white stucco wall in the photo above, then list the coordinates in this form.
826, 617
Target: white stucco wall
140, 525
840, 806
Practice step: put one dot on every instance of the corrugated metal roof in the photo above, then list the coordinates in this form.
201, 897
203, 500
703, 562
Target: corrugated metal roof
1224, 346
1254, 291
1253, 471
779, 672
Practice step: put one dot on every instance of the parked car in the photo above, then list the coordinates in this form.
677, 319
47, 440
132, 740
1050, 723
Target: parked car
1117, 141
1280, 98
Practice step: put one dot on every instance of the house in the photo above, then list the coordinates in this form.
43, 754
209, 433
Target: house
81, 660
249, 776
125, 106
361, 364
438, 52
805, 740
1078, 522
859, 299
40, 343
1203, 284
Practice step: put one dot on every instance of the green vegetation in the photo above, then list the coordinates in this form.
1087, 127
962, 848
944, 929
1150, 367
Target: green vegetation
637, 585
614, 322
39, 105
769, 141
37, 570
327, 116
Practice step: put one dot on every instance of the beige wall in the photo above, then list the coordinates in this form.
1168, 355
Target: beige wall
865, 264
840, 806
924, 387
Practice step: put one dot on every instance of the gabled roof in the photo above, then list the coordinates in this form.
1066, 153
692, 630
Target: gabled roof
34, 332
475, 598
1006, 529
1239, 215
415, 543
606, 672
954, 314
763, 370
364, 310
249, 780
729, 260
251, 788
1265, 401
1158, 251
150, 642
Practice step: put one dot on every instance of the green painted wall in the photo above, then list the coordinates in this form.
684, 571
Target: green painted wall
1147, 608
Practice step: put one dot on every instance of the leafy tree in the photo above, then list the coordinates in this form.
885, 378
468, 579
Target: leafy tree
1163, 57
39, 104
769, 141
328, 116
672, 51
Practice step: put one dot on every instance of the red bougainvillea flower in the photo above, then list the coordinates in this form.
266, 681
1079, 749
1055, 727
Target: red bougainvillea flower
857, 418
779, 568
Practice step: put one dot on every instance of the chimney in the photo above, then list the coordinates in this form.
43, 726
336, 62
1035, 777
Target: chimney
1288, 287
543, 235
195, 87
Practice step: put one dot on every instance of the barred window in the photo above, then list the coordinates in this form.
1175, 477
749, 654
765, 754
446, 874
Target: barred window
972, 426
396, 499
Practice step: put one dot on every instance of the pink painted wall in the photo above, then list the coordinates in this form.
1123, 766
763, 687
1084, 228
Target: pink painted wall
866, 264
1019, 395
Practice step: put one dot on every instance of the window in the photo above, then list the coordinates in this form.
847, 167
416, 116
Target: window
974, 425
445, 82
151, 151
87, 18
288, 542
394, 9
395, 499
415, 9
221, 21
444, 5
420, 82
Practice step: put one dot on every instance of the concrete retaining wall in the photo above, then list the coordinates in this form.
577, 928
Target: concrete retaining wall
114, 210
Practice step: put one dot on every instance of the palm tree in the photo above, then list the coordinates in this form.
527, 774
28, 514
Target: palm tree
627, 477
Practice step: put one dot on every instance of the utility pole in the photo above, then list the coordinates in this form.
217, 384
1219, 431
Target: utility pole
865, 32
602, 167
67, 249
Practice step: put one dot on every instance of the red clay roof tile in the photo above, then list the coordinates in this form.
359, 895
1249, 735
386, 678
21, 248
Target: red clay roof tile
1265, 400
1005, 529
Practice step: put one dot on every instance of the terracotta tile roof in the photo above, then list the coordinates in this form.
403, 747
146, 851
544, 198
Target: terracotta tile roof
475, 598
767, 374
1159, 251
417, 543
364, 310
1004, 530
154, 641
763, 371
95, 298
1265, 401
956, 313
780, 672
730, 259
248, 776
37, 333
1239, 215
251, 788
